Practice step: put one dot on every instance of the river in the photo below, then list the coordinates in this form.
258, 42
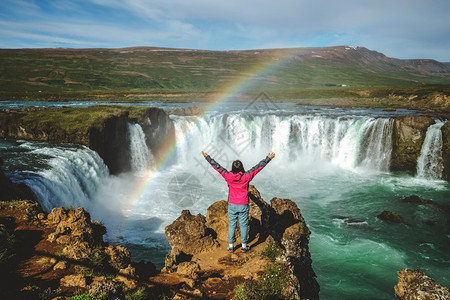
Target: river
333, 162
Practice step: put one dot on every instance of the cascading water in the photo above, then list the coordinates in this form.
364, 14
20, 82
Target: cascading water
348, 143
333, 163
141, 157
69, 175
430, 163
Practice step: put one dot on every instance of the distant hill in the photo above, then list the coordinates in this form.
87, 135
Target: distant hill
148, 69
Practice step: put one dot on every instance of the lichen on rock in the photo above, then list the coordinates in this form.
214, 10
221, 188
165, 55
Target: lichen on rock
415, 285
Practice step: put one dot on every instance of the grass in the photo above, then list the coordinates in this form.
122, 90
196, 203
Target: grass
82, 74
67, 124
269, 285
271, 251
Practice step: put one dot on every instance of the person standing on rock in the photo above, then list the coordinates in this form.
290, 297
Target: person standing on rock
238, 180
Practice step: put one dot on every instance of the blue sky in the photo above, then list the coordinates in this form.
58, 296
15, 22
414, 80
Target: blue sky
397, 28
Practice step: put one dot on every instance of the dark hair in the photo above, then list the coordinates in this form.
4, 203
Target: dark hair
237, 167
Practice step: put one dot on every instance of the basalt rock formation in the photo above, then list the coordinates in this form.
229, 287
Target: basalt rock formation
446, 150
199, 248
415, 285
408, 137
104, 129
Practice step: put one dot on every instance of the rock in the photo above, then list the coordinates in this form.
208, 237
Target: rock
119, 257
390, 216
408, 137
189, 269
446, 150
128, 277
77, 251
108, 135
75, 231
73, 281
175, 257
281, 222
190, 235
415, 285
187, 111
217, 219
5, 233
61, 265
106, 289
412, 199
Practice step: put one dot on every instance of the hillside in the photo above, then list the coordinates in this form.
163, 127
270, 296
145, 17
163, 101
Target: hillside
38, 72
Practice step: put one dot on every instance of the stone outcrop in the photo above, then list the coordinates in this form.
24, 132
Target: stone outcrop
190, 235
104, 129
195, 239
446, 150
415, 285
408, 137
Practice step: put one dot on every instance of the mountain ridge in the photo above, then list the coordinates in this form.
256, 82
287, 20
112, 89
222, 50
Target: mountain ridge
164, 70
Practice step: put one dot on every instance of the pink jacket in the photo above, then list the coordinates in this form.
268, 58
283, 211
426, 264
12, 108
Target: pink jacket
238, 183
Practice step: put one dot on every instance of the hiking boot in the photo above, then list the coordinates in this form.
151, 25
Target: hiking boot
245, 249
230, 249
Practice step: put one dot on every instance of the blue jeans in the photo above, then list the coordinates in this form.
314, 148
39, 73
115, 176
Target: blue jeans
235, 212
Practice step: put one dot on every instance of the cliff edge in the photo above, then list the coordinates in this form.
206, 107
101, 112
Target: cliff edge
102, 128
278, 264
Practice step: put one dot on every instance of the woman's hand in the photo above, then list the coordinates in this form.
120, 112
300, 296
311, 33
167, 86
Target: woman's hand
271, 155
204, 154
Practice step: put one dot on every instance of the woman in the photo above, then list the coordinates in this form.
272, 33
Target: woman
238, 180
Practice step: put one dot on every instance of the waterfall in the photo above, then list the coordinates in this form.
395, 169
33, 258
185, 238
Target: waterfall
430, 164
346, 142
71, 177
141, 157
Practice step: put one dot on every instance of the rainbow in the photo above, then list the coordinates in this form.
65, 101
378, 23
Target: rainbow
255, 72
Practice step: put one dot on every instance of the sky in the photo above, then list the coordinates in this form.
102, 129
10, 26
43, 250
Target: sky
396, 28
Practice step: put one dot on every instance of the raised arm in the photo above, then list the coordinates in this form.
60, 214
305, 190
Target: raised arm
256, 169
215, 164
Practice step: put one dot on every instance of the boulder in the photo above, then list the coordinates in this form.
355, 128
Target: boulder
408, 137
190, 235
128, 277
189, 269
119, 257
415, 285
106, 289
390, 216
78, 280
75, 231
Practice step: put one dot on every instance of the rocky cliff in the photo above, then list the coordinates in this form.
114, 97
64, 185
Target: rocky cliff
415, 285
446, 150
199, 249
408, 137
101, 128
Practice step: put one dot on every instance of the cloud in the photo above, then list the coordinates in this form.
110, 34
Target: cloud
400, 28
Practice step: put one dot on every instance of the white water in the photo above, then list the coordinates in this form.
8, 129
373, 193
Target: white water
71, 178
331, 166
430, 163
141, 157
364, 143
